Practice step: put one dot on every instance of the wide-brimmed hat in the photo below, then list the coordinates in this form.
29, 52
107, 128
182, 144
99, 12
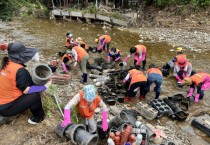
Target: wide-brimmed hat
18, 53
182, 62
78, 39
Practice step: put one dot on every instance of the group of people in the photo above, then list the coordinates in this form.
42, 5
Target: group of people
19, 93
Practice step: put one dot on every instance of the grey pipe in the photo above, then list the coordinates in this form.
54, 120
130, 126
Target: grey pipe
95, 71
41, 73
82, 137
119, 119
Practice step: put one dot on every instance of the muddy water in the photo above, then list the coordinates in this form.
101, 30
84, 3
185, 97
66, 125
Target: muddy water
50, 37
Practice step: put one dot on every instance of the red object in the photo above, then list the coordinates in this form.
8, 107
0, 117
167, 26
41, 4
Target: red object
129, 99
3, 46
132, 138
125, 134
140, 98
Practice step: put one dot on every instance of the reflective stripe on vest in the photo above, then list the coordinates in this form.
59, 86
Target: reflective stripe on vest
141, 48
80, 52
199, 78
107, 38
8, 90
137, 76
154, 70
84, 109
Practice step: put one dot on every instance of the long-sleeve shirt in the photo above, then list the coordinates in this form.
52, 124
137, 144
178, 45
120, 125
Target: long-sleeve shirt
187, 69
75, 55
76, 99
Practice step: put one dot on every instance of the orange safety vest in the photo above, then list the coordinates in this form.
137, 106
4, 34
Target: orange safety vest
80, 52
84, 109
66, 55
181, 68
67, 43
155, 71
141, 48
198, 78
8, 90
180, 56
107, 38
137, 76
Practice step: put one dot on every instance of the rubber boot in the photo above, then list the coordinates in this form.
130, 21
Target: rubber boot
157, 95
84, 80
140, 98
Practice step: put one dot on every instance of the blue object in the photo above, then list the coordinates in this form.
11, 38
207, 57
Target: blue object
70, 35
89, 93
35, 89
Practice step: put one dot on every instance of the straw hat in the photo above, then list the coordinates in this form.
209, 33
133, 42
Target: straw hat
78, 39
187, 81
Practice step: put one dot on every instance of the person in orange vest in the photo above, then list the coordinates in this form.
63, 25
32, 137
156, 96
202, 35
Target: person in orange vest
82, 44
199, 80
182, 69
80, 55
69, 39
138, 79
140, 53
170, 65
115, 54
17, 90
66, 57
154, 75
86, 101
104, 42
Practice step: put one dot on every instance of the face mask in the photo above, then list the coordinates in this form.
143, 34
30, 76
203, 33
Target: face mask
35, 57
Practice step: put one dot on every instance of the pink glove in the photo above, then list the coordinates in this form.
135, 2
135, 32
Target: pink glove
179, 80
124, 81
191, 92
64, 67
126, 59
197, 98
138, 61
104, 120
108, 58
117, 59
67, 117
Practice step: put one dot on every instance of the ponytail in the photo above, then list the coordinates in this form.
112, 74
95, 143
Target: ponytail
4, 62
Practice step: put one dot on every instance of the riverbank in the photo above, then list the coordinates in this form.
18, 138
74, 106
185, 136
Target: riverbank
48, 35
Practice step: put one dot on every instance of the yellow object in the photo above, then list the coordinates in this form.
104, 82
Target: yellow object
179, 49
96, 40
187, 81
78, 39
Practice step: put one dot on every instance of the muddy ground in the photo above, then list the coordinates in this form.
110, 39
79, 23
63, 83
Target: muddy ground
194, 40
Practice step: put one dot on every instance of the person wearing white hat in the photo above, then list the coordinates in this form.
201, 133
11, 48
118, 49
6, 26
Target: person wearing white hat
86, 101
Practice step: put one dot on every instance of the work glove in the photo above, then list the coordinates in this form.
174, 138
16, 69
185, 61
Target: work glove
124, 81
179, 80
67, 117
126, 59
197, 98
138, 61
104, 120
191, 92
117, 59
108, 58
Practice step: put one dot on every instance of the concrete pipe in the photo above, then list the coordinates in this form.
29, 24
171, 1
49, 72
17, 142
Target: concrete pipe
41, 73
119, 119
71, 131
61, 130
82, 137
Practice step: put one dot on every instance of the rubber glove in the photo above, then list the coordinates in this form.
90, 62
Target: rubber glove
197, 98
126, 59
104, 120
179, 80
64, 67
191, 92
67, 117
124, 81
108, 58
117, 59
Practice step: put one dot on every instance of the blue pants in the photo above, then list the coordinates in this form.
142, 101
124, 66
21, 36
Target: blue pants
154, 78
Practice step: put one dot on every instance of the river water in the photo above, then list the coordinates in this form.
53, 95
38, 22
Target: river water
49, 36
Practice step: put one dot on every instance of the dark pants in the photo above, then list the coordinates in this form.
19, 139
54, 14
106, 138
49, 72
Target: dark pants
106, 47
143, 62
24, 102
134, 86
154, 78
180, 74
